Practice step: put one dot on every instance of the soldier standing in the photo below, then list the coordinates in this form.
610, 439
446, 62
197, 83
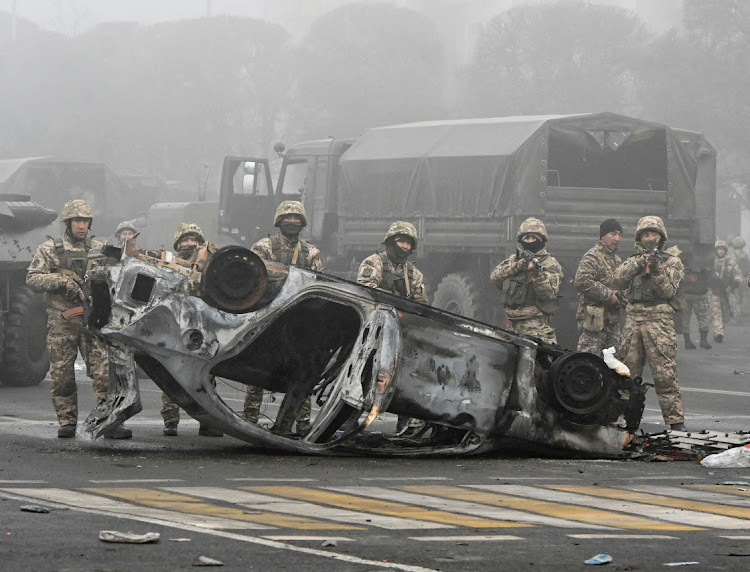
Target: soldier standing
650, 278
726, 278
695, 285
743, 263
391, 272
598, 314
287, 248
58, 270
530, 282
187, 238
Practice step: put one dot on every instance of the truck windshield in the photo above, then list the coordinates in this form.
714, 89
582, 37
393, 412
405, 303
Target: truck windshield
250, 179
294, 177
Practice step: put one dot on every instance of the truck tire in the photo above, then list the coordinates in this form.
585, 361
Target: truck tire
26, 357
458, 293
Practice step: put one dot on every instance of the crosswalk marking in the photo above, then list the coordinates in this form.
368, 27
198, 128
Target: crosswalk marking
192, 505
532, 500
698, 507
275, 504
457, 499
729, 490
624, 536
84, 501
712, 496
477, 538
383, 507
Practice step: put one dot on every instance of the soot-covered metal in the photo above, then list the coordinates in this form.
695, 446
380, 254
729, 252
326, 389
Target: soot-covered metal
361, 354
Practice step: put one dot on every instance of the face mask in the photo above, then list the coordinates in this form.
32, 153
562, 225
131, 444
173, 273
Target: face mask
186, 252
291, 229
535, 246
396, 253
651, 243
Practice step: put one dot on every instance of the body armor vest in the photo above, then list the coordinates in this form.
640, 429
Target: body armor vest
73, 260
392, 282
519, 291
696, 282
285, 255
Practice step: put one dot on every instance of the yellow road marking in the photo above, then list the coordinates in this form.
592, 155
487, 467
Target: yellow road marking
647, 498
384, 507
192, 505
548, 508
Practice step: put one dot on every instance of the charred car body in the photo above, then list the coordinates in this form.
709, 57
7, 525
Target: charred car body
357, 351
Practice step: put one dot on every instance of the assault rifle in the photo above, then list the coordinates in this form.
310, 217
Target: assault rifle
652, 254
522, 253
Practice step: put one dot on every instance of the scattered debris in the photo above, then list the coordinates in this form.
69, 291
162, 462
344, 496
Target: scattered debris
686, 445
601, 558
206, 561
737, 372
738, 483
180, 539
736, 458
34, 508
128, 537
681, 563
327, 543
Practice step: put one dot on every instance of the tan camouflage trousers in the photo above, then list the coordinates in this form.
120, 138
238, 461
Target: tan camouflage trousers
254, 399
170, 411
537, 327
64, 340
719, 311
697, 303
736, 303
654, 340
595, 342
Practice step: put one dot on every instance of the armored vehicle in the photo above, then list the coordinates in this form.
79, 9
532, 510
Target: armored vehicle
468, 184
24, 225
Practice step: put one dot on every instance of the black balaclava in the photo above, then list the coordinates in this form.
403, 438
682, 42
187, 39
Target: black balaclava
395, 253
187, 251
534, 247
290, 230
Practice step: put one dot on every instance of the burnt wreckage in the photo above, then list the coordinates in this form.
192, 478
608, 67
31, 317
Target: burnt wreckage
359, 352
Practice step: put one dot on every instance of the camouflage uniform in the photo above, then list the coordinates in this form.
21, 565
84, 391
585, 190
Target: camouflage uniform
743, 263
65, 337
651, 286
290, 251
727, 277
695, 287
594, 285
530, 296
384, 271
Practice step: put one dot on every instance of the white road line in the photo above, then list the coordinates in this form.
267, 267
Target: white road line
668, 514
269, 503
253, 540
465, 538
623, 536
272, 479
734, 537
20, 482
666, 478
687, 493
405, 479
111, 507
315, 538
715, 391
117, 481
463, 507
532, 478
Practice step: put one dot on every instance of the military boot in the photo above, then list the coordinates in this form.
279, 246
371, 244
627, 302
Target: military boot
704, 340
67, 431
689, 345
119, 431
170, 429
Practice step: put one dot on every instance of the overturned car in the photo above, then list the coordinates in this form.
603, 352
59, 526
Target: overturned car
360, 353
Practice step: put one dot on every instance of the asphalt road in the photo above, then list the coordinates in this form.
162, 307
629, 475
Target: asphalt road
256, 510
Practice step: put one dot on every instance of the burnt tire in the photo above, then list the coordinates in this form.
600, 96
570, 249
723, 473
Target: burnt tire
458, 293
26, 356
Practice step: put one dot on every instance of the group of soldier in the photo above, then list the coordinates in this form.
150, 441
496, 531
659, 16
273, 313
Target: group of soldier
647, 285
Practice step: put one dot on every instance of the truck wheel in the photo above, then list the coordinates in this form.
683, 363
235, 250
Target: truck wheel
458, 293
26, 356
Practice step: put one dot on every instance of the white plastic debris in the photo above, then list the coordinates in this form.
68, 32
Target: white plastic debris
128, 537
601, 558
614, 363
206, 561
34, 508
681, 563
735, 458
327, 543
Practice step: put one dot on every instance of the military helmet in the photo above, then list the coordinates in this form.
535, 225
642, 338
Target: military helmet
77, 208
651, 222
188, 229
738, 242
721, 244
125, 225
290, 208
532, 226
405, 229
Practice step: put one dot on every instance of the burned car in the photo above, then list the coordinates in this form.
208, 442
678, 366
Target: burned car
360, 353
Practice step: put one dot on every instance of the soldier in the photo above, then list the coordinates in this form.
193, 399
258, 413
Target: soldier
743, 263
125, 230
726, 278
58, 269
390, 271
650, 278
695, 286
287, 248
598, 314
187, 238
530, 283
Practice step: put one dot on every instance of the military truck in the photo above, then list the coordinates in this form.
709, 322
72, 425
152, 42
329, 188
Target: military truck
468, 184
24, 225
